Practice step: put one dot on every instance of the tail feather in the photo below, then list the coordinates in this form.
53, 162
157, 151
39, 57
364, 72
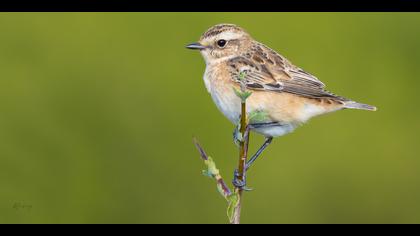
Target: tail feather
361, 106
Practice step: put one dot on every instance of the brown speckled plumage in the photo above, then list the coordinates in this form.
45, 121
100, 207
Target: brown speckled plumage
288, 94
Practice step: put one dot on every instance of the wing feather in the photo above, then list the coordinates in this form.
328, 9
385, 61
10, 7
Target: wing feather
265, 69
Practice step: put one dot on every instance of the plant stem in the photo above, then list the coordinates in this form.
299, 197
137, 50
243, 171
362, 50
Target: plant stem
243, 155
214, 172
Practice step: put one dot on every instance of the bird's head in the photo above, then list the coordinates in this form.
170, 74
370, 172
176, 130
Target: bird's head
222, 41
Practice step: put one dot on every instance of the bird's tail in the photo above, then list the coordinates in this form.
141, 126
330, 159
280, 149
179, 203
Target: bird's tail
361, 106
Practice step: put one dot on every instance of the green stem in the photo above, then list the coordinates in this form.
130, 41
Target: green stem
243, 155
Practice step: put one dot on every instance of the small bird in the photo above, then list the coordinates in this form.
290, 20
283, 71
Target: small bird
288, 95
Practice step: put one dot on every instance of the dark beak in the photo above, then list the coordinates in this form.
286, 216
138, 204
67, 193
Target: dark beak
195, 46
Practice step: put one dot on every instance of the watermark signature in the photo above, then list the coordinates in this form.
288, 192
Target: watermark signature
19, 206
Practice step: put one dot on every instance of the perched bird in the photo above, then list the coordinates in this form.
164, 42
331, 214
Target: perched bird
287, 94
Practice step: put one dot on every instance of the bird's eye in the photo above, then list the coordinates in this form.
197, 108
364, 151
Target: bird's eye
221, 43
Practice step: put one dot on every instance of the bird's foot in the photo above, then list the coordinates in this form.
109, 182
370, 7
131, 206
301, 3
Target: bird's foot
240, 183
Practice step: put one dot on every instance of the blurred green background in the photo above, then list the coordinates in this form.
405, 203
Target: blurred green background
98, 110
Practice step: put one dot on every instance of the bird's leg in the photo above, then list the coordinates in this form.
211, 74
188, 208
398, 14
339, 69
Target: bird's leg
241, 184
241, 139
258, 153
265, 144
